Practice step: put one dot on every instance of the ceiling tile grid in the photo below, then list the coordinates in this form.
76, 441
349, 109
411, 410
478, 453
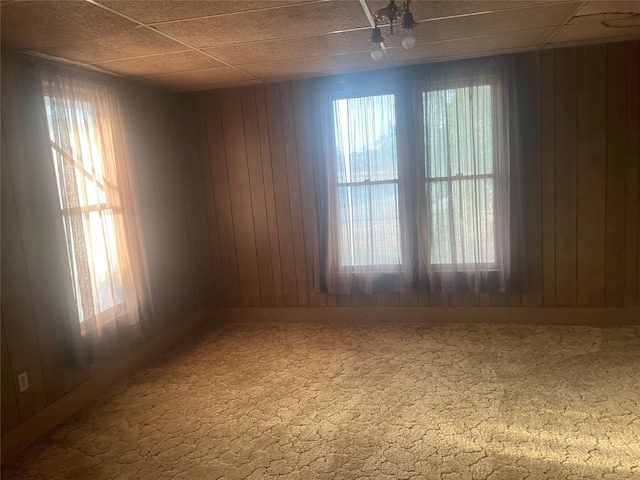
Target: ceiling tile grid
192, 44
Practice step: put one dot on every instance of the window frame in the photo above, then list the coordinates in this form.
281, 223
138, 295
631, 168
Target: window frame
81, 212
476, 81
346, 93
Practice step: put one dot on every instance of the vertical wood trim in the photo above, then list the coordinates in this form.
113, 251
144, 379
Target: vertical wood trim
258, 200
218, 293
615, 174
281, 192
18, 318
222, 198
547, 136
240, 197
291, 157
270, 202
566, 108
10, 413
531, 173
302, 120
591, 176
632, 230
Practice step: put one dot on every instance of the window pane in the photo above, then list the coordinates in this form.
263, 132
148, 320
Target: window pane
366, 152
82, 148
441, 236
365, 132
462, 222
370, 230
458, 131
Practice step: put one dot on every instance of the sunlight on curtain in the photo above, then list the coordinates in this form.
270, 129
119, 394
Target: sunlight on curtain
460, 177
81, 118
466, 225
367, 177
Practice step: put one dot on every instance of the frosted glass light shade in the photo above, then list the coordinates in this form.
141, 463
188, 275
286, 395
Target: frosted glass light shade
376, 52
409, 41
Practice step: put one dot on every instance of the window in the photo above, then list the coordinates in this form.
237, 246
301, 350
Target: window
367, 179
81, 139
413, 180
460, 177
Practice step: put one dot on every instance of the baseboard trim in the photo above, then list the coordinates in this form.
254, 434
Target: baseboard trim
606, 316
52, 415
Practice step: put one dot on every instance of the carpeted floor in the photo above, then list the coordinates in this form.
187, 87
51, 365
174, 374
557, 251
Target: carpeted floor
380, 402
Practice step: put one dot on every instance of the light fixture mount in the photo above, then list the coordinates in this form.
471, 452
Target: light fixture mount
387, 16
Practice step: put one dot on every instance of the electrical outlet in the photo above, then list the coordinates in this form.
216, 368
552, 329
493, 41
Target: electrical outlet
23, 381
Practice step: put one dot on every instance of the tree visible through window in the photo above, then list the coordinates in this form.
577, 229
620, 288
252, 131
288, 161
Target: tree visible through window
460, 177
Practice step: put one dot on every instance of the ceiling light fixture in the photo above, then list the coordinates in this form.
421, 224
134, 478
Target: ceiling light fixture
390, 14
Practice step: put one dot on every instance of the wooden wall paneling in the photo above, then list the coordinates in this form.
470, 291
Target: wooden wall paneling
591, 174
423, 298
566, 132
632, 242
615, 173
240, 195
409, 299
216, 294
10, 413
18, 319
201, 203
191, 236
281, 191
31, 198
356, 299
222, 198
485, 299
547, 146
529, 103
258, 200
343, 300
389, 299
438, 299
270, 202
365, 300
470, 299
455, 299
295, 202
303, 127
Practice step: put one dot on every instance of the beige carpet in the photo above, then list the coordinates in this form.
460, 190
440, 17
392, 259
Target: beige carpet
379, 401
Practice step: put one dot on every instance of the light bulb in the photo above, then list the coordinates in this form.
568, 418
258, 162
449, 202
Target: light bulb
409, 40
376, 52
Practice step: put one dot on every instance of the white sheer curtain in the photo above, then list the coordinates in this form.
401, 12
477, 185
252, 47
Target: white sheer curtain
466, 218
417, 180
93, 194
359, 187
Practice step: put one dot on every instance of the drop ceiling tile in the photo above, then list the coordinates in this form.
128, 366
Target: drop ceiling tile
210, 76
315, 45
454, 48
157, 64
78, 31
595, 8
167, 10
601, 20
301, 67
131, 43
423, 10
35, 24
295, 20
506, 21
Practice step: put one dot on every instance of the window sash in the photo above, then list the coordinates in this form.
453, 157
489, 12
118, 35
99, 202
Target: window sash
91, 221
454, 238
363, 231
